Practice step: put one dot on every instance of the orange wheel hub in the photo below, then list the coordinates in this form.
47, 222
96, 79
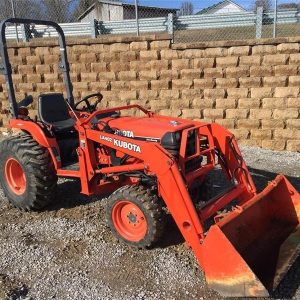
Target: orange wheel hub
129, 221
15, 176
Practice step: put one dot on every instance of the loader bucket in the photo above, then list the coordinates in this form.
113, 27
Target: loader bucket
248, 252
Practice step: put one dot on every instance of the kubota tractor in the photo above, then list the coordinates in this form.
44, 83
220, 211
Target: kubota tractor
152, 165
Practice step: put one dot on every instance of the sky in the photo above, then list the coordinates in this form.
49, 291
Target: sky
199, 4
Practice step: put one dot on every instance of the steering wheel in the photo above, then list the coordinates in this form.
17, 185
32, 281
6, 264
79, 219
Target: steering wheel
89, 107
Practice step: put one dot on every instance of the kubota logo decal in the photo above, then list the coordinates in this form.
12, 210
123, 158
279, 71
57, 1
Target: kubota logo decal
127, 133
125, 145
122, 144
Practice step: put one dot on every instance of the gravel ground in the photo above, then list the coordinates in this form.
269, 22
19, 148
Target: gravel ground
66, 252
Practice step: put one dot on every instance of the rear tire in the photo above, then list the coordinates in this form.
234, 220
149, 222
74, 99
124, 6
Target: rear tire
27, 174
135, 216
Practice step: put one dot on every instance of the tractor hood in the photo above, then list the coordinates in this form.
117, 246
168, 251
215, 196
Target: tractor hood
147, 128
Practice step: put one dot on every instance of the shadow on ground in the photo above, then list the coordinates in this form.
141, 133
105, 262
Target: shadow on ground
68, 196
290, 284
262, 177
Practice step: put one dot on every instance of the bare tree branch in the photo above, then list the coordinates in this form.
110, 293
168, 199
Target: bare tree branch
265, 4
30, 9
82, 6
291, 5
56, 10
186, 8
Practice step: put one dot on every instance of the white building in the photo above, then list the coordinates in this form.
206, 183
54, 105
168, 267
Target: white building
109, 10
223, 7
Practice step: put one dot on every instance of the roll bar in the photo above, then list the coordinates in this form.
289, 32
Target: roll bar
6, 69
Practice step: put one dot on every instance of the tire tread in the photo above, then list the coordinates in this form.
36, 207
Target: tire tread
151, 207
42, 179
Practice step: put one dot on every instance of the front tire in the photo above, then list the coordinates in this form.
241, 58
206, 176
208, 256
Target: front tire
27, 174
135, 216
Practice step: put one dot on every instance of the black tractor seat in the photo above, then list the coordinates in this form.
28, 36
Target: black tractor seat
53, 110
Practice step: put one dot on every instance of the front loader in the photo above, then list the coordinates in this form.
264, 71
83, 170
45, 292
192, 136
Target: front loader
152, 165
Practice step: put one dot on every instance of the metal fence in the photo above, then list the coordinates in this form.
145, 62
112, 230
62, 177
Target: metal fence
185, 23
236, 26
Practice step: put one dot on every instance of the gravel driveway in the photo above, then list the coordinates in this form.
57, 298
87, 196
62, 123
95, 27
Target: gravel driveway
66, 252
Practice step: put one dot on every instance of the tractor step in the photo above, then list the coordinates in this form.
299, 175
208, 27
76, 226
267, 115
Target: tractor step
71, 166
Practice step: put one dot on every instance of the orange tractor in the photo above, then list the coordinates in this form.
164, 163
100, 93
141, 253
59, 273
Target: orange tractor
152, 165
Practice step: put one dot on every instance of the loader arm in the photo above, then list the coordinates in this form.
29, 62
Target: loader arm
171, 185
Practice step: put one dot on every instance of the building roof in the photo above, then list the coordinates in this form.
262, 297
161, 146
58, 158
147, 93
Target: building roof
207, 9
152, 7
121, 3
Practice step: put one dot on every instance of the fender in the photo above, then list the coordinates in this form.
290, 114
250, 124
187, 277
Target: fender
39, 136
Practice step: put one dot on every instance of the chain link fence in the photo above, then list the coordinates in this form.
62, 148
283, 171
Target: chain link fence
185, 21
260, 19
282, 19
60, 11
